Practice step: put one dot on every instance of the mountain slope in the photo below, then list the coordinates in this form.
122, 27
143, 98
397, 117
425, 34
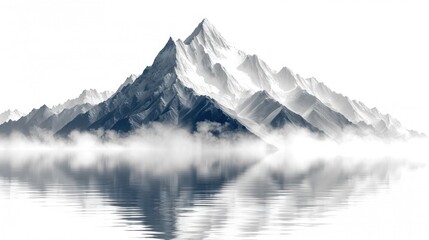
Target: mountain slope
262, 109
58, 121
355, 111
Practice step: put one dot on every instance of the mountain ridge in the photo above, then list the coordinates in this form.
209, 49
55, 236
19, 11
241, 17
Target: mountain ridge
88, 96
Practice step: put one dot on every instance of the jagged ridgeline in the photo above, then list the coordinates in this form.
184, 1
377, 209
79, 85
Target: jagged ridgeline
10, 115
205, 79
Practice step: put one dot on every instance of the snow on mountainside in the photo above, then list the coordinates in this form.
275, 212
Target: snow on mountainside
212, 67
90, 96
206, 73
355, 111
10, 115
266, 112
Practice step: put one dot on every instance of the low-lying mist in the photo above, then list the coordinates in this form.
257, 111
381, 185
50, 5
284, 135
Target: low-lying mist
289, 143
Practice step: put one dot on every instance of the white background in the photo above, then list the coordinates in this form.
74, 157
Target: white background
375, 51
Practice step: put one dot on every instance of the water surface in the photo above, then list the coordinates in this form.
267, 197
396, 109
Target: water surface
199, 196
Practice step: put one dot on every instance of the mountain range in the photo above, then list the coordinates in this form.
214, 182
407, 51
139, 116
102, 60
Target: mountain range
205, 79
90, 96
53, 119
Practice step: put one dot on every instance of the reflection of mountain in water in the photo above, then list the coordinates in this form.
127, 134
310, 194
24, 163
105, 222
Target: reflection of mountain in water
157, 193
199, 197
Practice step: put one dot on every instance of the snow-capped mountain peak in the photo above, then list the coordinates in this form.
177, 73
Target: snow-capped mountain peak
206, 33
12, 115
209, 37
286, 79
89, 96
92, 96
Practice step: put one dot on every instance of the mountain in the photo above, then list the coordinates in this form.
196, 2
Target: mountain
208, 64
211, 66
155, 96
90, 96
27, 123
204, 78
56, 118
10, 115
57, 121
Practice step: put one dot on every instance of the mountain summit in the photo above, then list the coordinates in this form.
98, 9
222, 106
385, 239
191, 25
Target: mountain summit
206, 34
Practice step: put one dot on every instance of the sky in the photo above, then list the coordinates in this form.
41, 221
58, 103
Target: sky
375, 51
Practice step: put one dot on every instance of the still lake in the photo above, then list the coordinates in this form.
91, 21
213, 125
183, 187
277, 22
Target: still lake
210, 196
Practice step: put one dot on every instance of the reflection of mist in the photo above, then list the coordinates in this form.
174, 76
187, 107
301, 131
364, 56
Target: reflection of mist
278, 194
205, 194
